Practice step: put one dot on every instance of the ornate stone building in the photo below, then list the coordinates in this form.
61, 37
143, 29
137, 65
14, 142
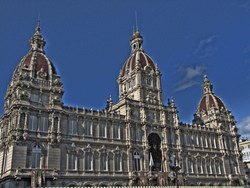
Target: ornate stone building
134, 141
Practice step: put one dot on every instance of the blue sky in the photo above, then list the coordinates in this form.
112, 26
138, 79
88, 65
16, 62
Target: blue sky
88, 42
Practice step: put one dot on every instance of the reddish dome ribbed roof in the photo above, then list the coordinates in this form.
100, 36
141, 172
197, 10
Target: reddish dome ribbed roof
40, 62
209, 101
144, 61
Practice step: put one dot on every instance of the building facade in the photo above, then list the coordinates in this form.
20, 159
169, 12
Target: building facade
245, 151
136, 141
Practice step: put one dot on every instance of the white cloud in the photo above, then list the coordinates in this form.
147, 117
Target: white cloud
244, 127
190, 75
205, 47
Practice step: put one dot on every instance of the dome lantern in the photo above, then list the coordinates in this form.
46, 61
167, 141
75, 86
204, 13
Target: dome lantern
136, 41
37, 42
207, 86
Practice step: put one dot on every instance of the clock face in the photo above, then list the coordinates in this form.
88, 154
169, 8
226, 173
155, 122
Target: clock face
41, 74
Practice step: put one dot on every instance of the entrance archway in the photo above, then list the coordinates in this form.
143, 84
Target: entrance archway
154, 141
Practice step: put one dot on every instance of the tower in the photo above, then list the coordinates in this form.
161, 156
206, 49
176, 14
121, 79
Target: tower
148, 121
35, 80
140, 78
29, 124
212, 114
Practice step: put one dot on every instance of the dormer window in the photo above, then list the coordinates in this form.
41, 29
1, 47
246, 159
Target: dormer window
148, 81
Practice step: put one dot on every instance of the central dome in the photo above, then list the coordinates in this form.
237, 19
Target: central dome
138, 57
143, 59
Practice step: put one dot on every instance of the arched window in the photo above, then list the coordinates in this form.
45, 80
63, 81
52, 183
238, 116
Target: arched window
137, 161
36, 156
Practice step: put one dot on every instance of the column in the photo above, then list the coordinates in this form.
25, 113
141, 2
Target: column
59, 125
26, 121
18, 119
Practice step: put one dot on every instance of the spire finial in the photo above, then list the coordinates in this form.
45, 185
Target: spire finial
37, 42
136, 22
38, 23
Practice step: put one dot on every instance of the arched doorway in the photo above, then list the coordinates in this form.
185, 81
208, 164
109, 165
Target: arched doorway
154, 141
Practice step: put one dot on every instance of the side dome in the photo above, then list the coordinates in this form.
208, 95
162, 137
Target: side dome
36, 63
209, 100
35, 79
40, 65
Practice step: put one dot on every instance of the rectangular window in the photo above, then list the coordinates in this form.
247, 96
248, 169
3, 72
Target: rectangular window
44, 124
45, 98
88, 128
102, 130
199, 166
36, 156
190, 166
217, 166
116, 131
72, 127
208, 166
139, 135
173, 137
34, 97
185, 139
133, 133
88, 161
103, 162
117, 163
71, 162
33, 123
